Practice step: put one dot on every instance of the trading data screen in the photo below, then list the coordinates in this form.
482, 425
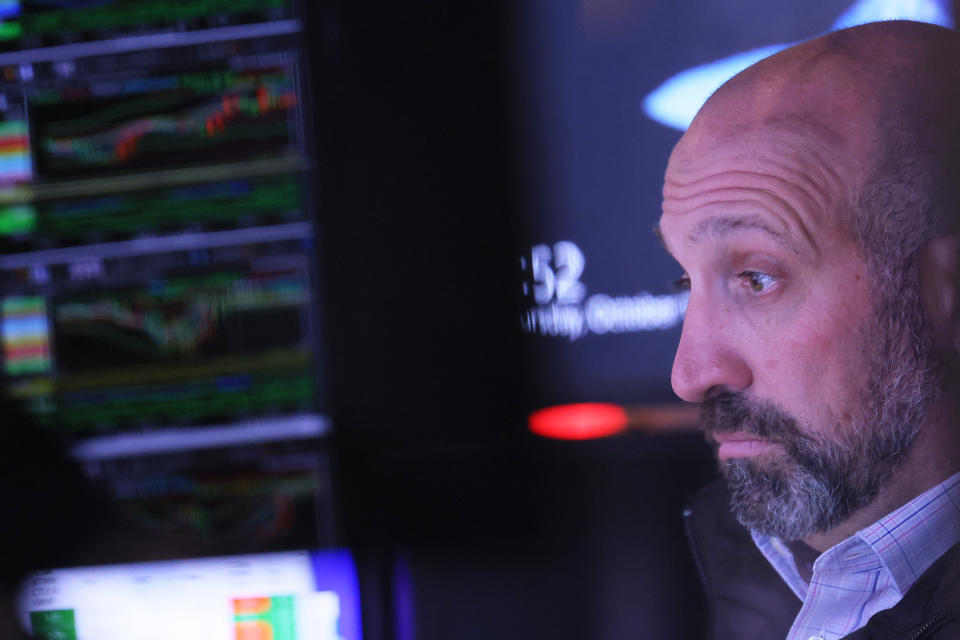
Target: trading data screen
158, 297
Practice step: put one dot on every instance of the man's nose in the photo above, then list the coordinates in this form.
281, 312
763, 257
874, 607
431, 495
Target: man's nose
707, 360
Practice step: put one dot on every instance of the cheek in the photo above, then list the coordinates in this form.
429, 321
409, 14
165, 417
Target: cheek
815, 380
830, 360
818, 368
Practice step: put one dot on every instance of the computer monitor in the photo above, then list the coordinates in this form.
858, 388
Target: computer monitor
294, 595
159, 304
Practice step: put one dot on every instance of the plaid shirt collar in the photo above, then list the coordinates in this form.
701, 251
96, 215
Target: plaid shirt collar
911, 538
871, 570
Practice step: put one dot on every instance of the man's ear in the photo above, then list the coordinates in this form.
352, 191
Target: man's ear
940, 289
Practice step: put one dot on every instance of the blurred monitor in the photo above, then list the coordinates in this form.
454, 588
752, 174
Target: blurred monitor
281, 596
158, 284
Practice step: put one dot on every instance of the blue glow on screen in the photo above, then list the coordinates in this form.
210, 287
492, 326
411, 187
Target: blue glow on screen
676, 101
296, 595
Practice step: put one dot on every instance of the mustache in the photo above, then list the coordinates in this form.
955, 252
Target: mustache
734, 412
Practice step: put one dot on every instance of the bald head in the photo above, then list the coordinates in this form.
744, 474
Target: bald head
872, 112
846, 80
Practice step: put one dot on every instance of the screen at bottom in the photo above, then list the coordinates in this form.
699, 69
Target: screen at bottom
275, 596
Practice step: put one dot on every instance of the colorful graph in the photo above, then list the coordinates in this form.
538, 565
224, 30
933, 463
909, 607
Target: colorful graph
187, 350
155, 123
265, 618
76, 16
15, 166
25, 333
176, 316
266, 200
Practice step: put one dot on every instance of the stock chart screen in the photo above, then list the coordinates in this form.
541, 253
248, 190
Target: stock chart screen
30, 24
159, 305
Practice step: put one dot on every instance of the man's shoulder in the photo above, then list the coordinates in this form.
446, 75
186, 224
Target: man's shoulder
747, 598
930, 610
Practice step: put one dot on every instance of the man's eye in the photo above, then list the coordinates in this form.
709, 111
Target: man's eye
682, 283
757, 281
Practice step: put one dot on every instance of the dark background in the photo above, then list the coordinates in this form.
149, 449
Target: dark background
459, 135
504, 535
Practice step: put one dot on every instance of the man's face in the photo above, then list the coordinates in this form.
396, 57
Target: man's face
781, 343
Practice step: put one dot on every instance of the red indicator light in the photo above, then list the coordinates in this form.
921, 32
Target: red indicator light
582, 421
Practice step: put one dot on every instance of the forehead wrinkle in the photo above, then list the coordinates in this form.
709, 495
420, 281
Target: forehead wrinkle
722, 226
815, 195
805, 151
799, 189
815, 187
766, 200
818, 174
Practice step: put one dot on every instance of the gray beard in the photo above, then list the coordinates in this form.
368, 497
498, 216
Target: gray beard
820, 483
815, 488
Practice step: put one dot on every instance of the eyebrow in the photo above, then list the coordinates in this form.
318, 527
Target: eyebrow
722, 227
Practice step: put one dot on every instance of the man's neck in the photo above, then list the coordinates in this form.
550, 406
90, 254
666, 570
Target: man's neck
803, 556
934, 457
